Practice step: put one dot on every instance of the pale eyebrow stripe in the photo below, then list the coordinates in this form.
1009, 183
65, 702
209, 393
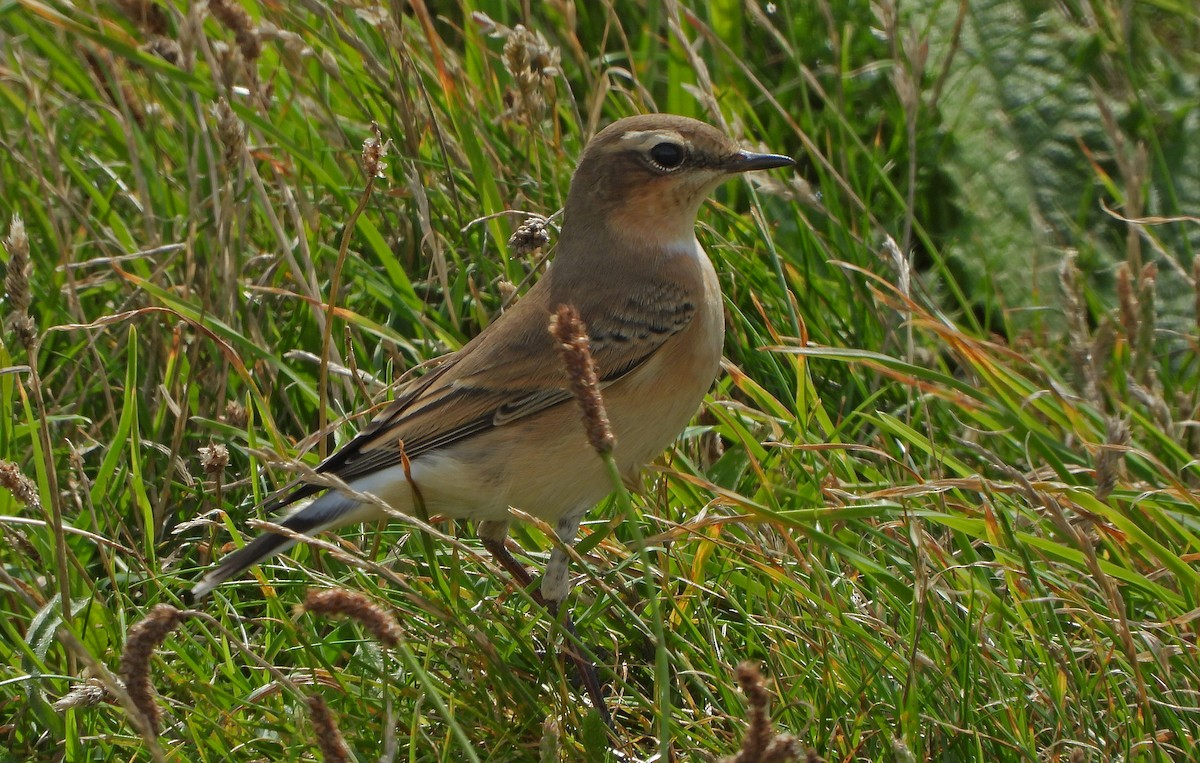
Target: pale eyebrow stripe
647, 138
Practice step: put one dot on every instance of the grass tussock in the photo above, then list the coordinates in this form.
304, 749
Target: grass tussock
944, 493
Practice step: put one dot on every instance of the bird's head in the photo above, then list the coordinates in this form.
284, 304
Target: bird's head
643, 178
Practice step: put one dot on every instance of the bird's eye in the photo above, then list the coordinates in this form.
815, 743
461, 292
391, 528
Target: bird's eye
667, 155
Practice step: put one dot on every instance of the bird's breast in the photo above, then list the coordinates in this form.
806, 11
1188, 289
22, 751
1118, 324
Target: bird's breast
650, 407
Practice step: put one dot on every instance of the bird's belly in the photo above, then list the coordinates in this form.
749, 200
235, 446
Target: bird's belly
542, 466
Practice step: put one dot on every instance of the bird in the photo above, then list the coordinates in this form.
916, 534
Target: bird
494, 425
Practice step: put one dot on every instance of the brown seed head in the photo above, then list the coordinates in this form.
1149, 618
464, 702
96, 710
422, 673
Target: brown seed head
761, 744
572, 338
21, 487
236, 414
16, 283
1111, 456
530, 236
214, 458
16, 275
87, 694
329, 737
143, 640
374, 149
146, 15
165, 48
338, 601
1127, 300
229, 132
533, 64
1148, 301
234, 18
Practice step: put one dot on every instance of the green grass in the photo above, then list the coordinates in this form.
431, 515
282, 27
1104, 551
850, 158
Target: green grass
946, 493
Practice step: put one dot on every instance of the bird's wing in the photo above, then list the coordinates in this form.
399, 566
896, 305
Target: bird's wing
628, 333
508, 372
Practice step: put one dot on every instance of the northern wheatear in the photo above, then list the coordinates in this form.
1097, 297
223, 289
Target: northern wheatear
494, 426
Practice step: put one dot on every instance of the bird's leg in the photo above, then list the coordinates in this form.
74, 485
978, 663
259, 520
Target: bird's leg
553, 590
493, 534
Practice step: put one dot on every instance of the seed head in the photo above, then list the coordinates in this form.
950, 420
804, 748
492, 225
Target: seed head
143, 640
338, 601
572, 338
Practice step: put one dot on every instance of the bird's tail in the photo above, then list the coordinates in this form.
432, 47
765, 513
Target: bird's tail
328, 511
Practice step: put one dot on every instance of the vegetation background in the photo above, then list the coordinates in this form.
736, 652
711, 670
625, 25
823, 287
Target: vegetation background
945, 494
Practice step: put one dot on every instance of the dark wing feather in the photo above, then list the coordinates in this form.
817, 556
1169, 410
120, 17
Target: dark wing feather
625, 337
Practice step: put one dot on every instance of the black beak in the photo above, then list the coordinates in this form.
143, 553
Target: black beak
747, 161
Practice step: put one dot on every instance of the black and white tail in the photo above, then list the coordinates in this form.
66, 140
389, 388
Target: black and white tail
330, 510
